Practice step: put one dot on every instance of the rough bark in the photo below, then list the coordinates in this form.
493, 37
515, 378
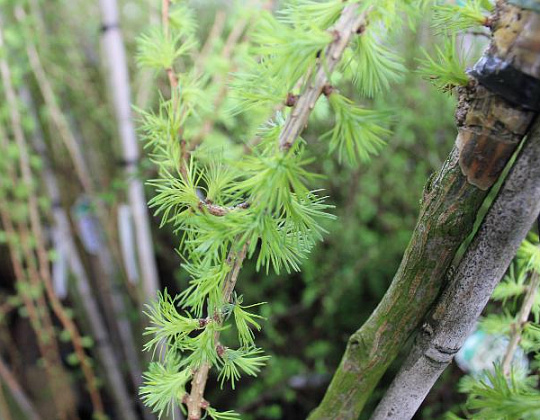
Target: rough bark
443, 333
490, 128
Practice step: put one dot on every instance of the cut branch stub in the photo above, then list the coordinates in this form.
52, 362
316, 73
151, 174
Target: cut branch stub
488, 135
508, 87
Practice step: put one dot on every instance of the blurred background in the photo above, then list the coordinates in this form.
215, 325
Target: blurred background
80, 253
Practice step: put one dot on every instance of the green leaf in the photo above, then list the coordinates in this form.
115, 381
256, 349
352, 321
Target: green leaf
373, 65
357, 133
164, 386
446, 69
460, 17
290, 51
157, 51
247, 360
167, 326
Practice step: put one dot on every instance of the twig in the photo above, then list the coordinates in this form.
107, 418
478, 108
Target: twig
48, 348
195, 402
5, 413
445, 329
349, 24
521, 321
83, 173
173, 80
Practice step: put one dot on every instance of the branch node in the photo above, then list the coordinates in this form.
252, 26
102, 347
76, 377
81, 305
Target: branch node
327, 90
291, 100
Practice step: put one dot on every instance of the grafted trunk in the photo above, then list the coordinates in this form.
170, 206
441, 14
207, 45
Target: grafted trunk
444, 331
490, 129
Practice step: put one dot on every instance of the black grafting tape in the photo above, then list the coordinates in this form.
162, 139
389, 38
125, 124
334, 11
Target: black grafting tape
502, 78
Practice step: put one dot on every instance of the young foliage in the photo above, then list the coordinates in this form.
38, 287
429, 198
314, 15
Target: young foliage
463, 16
291, 50
159, 52
499, 398
446, 69
374, 66
164, 385
259, 205
248, 360
167, 326
309, 13
357, 134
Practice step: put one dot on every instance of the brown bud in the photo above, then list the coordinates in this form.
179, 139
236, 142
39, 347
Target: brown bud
291, 100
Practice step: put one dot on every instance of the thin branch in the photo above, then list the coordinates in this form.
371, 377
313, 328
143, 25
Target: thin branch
486, 260
522, 318
451, 201
36, 228
348, 25
96, 323
5, 413
81, 168
195, 402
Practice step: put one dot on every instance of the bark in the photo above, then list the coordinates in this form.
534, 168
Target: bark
490, 128
443, 333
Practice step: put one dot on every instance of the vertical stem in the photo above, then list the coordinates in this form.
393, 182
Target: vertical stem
103, 345
520, 322
195, 401
119, 84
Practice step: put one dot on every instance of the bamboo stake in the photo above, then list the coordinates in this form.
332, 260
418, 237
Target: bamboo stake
486, 260
119, 84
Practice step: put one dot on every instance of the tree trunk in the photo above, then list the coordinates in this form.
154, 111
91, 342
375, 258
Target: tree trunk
485, 262
490, 128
